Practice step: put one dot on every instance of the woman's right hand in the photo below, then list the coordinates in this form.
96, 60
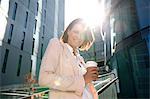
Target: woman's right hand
91, 75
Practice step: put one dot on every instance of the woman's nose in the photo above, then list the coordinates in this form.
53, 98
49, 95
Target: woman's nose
82, 36
78, 36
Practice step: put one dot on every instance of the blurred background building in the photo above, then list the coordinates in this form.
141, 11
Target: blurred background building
126, 47
127, 28
25, 30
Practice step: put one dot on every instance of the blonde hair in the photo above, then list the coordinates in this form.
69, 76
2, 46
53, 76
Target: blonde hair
88, 36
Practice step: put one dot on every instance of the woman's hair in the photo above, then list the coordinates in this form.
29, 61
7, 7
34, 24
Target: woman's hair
88, 36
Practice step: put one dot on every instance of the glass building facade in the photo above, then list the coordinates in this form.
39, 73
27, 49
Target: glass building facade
128, 32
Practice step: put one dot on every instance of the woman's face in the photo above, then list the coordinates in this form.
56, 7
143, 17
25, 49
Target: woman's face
74, 35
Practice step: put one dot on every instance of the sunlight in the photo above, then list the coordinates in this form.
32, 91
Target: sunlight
4, 7
92, 11
3, 26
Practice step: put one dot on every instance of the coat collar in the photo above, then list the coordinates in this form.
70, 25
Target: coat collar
71, 50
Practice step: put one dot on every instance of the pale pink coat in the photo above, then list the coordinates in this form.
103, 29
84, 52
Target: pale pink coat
59, 71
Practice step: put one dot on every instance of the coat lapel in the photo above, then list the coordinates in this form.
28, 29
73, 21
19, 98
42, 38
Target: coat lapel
72, 61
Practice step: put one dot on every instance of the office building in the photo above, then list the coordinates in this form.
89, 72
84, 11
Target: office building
25, 30
127, 28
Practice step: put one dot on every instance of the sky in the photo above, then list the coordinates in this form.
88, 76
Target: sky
90, 10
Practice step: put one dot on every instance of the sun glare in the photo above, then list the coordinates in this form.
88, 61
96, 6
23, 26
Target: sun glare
92, 11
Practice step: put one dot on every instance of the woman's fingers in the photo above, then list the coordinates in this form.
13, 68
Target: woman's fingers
94, 77
94, 72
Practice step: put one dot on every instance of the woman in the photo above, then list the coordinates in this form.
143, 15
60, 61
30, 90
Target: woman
62, 67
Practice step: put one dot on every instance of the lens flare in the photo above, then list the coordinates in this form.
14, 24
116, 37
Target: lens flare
92, 11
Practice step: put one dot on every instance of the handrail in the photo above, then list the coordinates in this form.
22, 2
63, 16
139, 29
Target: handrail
106, 85
18, 87
101, 82
34, 94
107, 74
24, 96
15, 87
22, 90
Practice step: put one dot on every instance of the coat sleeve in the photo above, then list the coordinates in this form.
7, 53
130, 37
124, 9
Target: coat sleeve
48, 76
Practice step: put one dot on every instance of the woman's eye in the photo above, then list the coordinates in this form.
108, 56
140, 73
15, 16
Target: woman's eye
77, 32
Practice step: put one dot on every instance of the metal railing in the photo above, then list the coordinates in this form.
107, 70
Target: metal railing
24, 91
106, 86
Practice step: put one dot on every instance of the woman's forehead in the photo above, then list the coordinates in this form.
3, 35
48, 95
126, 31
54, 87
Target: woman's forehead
80, 26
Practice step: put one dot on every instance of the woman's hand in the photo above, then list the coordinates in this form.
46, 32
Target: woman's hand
91, 74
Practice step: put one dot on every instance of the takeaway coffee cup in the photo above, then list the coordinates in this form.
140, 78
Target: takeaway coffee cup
91, 64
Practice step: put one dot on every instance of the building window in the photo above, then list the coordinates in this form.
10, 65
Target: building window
44, 15
41, 51
33, 45
42, 38
5, 61
14, 11
10, 33
43, 33
28, 4
19, 65
37, 9
43, 30
45, 3
31, 66
22, 41
26, 19
0, 1
34, 31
